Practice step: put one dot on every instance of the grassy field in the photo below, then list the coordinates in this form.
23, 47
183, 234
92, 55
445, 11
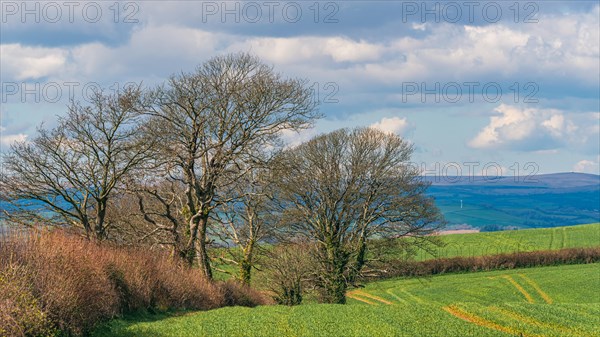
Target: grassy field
490, 243
523, 240
548, 301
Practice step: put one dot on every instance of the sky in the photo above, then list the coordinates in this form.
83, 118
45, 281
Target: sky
479, 87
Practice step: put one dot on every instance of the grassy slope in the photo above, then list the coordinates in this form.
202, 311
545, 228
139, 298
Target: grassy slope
549, 301
489, 243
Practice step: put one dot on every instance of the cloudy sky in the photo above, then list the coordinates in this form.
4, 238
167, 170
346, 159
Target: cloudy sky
476, 86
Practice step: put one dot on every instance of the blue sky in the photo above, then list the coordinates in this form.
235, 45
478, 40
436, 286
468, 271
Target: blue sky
478, 87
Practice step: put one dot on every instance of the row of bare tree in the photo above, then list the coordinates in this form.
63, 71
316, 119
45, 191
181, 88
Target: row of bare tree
199, 162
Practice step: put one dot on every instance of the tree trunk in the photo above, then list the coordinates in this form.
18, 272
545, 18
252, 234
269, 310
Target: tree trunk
177, 254
189, 252
246, 263
335, 291
203, 258
245, 271
87, 227
99, 233
334, 283
359, 262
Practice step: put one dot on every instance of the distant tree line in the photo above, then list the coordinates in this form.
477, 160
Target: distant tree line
199, 162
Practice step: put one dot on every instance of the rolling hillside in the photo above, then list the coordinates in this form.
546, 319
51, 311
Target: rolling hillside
540, 201
485, 243
549, 301
523, 240
550, 200
546, 301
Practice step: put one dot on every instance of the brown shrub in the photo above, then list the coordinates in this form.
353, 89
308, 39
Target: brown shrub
70, 281
492, 262
73, 284
237, 293
20, 312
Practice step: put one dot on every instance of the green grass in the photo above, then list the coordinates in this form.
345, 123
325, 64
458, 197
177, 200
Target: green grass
547, 301
489, 243
523, 240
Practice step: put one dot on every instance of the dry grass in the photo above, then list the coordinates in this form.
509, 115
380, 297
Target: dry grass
55, 281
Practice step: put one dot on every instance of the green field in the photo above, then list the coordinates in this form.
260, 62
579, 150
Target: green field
547, 301
523, 240
490, 243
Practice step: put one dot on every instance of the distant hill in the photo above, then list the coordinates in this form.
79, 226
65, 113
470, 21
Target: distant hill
548, 200
554, 180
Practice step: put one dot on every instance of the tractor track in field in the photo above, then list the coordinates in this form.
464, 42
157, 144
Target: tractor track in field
537, 288
477, 320
360, 296
398, 298
373, 297
542, 294
415, 298
532, 321
519, 288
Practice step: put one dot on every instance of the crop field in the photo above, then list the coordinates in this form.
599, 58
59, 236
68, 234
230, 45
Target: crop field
523, 240
490, 243
547, 301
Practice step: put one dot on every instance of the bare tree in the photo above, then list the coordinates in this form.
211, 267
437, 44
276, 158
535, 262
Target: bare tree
246, 221
342, 188
211, 122
67, 175
148, 213
290, 269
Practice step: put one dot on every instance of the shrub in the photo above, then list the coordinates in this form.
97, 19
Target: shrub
20, 312
289, 267
238, 293
68, 283
397, 268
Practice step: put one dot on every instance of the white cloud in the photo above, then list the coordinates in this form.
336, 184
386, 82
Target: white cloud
7, 140
557, 47
150, 51
534, 129
26, 63
421, 26
513, 124
558, 126
587, 166
563, 46
451, 52
394, 125
304, 49
292, 138
344, 49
